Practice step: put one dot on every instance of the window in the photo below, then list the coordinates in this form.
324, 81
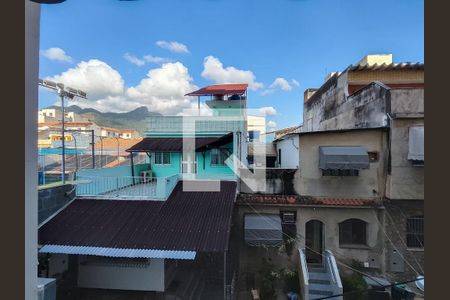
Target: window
218, 156
279, 158
415, 232
352, 232
288, 217
373, 156
162, 158
253, 135
338, 172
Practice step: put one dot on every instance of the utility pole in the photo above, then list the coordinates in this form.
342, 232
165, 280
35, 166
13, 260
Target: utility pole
63, 92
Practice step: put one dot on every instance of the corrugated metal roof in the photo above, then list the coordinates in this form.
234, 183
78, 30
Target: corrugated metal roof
176, 144
383, 67
118, 252
220, 89
186, 221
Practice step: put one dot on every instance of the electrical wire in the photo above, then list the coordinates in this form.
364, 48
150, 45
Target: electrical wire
312, 250
399, 253
369, 289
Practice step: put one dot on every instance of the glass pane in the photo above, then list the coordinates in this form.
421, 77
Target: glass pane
158, 158
166, 158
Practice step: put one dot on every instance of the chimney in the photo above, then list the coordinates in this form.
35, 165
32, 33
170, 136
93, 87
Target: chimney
376, 59
308, 93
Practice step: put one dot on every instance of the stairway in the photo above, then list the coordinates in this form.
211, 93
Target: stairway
319, 282
320, 279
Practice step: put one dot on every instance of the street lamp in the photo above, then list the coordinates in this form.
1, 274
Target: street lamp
63, 92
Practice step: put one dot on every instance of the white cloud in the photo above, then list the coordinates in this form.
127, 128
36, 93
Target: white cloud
155, 59
145, 59
282, 84
268, 110
95, 77
133, 59
162, 90
213, 69
271, 125
57, 54
173, 46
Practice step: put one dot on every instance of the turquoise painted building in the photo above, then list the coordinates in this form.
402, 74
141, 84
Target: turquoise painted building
218, 140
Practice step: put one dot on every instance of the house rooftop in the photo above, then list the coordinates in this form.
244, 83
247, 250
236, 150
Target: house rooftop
220, 89
186, 221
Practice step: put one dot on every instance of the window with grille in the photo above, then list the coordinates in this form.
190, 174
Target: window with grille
415, 232
353, 232
162, 158
218, 157
330, 172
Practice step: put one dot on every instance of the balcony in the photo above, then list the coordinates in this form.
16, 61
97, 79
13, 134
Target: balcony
198, 124
125, 187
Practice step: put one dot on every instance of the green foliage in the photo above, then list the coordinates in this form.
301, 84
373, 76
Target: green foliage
355, 284
268, 276
291, 281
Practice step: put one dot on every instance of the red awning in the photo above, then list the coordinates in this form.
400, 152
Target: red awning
221, 89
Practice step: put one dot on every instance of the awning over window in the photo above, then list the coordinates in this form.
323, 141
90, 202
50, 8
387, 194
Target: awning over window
343, 158
263, 230
416, 143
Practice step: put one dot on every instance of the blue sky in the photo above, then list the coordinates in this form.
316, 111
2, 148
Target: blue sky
296, 41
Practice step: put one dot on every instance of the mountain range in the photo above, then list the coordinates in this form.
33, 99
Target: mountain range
135, 119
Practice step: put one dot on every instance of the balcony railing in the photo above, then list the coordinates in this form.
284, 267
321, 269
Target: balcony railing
126, 187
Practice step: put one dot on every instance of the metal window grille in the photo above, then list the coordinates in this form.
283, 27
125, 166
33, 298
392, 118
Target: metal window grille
415, 232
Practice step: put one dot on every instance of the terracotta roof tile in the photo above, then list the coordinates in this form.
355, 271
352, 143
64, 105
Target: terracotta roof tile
304, 200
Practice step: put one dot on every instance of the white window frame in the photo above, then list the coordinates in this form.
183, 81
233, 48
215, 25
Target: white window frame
161, 154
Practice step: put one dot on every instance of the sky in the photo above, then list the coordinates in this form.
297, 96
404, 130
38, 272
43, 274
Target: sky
127, 54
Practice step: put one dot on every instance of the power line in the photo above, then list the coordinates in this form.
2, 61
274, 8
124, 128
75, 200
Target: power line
369, 289
312, 250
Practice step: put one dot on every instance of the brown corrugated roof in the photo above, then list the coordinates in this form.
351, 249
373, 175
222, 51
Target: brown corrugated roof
338, 201
220, 89
176, 143
267, 199
191, 221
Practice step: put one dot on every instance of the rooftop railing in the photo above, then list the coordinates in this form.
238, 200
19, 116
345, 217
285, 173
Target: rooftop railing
125, 187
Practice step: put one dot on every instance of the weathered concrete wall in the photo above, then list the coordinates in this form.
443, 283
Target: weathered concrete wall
407, 102
277, 181
396, 214
370, 182
52, 199
405, 181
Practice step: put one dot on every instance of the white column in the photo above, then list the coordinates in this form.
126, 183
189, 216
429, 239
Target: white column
32, 24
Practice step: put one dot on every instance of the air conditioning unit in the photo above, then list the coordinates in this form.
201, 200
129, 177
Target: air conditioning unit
46, 288
288, 217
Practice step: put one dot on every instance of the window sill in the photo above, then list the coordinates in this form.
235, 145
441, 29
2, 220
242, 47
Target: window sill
354, 246
416, 249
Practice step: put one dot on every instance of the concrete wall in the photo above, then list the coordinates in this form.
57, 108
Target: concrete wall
408, 102
370, 182
396, 214
267, 181
405, 181
51, 199
122, 276
289, 147
32, 25
364, 109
